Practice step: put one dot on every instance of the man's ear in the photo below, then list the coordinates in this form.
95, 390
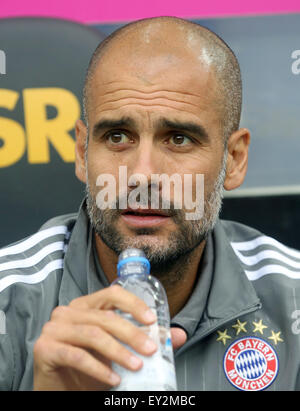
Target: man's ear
237, 158
81, 136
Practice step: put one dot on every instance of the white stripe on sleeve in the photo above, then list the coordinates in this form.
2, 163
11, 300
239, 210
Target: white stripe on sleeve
264, 240
272, 269
32, 278
267, 254
33, 240
34, 259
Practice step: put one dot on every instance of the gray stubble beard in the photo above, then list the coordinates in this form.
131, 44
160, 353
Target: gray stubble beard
173, 256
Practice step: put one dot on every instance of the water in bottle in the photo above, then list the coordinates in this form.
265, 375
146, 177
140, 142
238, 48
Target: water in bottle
158, 371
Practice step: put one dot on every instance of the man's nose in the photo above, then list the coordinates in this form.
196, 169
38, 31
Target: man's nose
146, 160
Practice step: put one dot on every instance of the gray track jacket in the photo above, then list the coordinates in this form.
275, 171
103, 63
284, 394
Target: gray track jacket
242, 320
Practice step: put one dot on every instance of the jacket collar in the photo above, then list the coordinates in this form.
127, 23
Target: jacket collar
74, 282
81, 276
231, 291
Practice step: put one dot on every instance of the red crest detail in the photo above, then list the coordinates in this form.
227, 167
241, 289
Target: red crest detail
251, 364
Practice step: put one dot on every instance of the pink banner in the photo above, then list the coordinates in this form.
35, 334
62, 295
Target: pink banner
109, 11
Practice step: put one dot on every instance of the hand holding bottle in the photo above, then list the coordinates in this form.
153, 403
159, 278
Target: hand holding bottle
158, 372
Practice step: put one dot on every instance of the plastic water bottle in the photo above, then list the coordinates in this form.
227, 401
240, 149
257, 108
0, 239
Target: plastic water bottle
158, 370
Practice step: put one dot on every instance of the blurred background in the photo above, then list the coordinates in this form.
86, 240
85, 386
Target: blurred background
44, 53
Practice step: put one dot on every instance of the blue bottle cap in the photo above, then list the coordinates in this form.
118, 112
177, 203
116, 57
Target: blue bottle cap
142, 260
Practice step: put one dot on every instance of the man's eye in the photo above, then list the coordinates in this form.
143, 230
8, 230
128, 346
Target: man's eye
180, 140
117, 137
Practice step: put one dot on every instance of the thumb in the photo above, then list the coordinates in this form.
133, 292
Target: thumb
178, 336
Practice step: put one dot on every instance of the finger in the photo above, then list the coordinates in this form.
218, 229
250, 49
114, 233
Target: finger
111, 323
51, 356
178, 336
115, 297
94, 338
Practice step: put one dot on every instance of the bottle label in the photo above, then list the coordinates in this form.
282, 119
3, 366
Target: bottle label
157, 374
158, 371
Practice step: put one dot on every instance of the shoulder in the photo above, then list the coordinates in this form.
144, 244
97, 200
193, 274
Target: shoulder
30, 277
32, 259
262, 256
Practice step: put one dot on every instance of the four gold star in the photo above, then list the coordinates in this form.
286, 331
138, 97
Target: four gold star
239, 327
259, 327
275, 337
223, 336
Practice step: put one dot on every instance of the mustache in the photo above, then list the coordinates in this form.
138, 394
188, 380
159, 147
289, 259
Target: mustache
167, 207
122, 204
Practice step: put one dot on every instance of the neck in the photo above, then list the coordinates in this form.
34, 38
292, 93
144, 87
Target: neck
178, 278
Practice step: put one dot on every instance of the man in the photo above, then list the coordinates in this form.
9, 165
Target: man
162, 96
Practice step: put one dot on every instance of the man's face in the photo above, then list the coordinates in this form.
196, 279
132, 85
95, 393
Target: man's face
154, 112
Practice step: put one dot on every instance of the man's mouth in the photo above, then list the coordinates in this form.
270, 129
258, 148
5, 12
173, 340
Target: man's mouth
144, 217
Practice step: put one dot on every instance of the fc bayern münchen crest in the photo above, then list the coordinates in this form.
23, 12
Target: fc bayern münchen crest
250, 364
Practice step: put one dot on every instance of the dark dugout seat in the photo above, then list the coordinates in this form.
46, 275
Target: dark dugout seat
277, 216
43, 64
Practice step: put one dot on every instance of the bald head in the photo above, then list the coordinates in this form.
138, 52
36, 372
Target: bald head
180, 42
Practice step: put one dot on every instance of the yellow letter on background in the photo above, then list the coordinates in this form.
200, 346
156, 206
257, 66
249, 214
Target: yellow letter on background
11, 132
41, 130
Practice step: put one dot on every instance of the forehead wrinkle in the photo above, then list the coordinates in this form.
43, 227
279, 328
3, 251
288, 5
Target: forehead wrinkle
149, 97
182, 93
182, 107
150, 91
107, 110
149, 101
